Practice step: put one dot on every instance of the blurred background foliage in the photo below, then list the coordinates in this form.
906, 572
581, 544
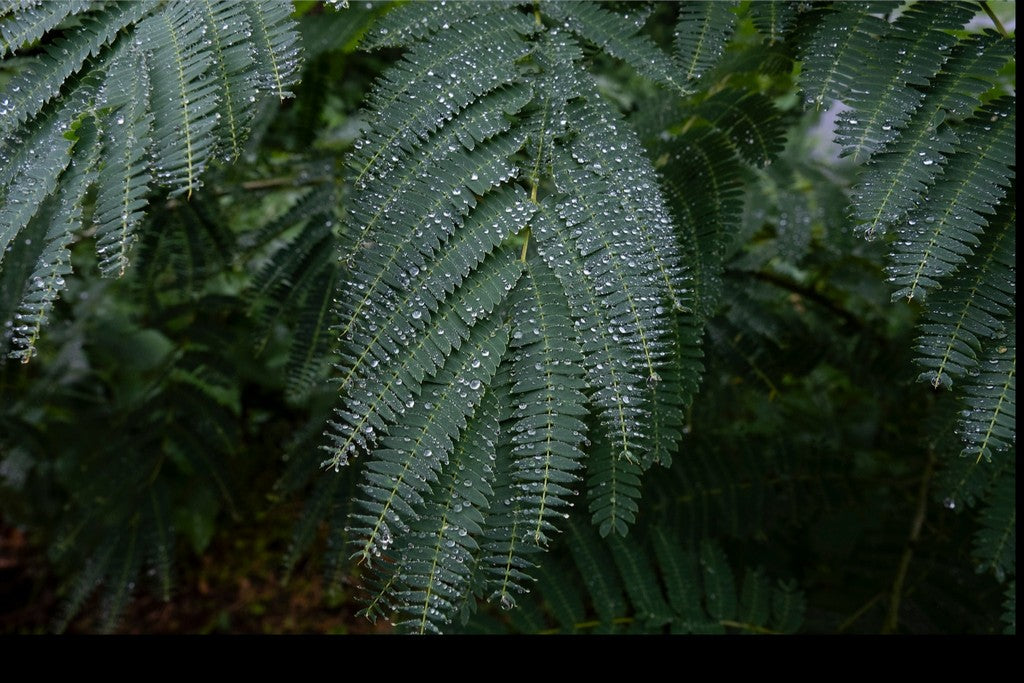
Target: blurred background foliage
162, 446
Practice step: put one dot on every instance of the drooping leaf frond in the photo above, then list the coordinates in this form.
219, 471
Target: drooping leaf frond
486, 142
839, 52
429, 575
167, 86
123, 182
702, 30
54, 261
894, 181
27, 93
276, 46
941, 234
617, 35
995, 543
31, 23
411, 457
959, 320
546, 389
773, 18
613, 488
988, 425
912, 52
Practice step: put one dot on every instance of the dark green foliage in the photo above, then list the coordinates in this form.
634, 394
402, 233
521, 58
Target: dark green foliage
656, 585
702, 31
165, 86
906, 55
552, 245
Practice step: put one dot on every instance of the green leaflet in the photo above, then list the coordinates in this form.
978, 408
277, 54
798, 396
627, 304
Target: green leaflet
960, 319
617, 388
658, 584
940, 235
773, 18
276, 47
407, 24
988, 421
27, 93
995, 543
750, 121
702, 30
911, 53
184, 101
546, 382
432, 571
411, 457
894, 181
123, 182
170, 86
617, 35
408, 337
432, 84
54, 261
613, 488
228, 26
31, 23
837, 55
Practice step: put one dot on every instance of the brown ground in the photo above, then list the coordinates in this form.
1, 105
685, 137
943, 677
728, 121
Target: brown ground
234, 587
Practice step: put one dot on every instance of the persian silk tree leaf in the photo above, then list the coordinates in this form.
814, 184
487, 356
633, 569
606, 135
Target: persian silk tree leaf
702, 31
618, 36
995, 543
384, 365
30, 24
434, 82
910, 55
277, 46
27, 93
773, 18
837, 55
402, 471
959, 318
943, 232
184, 98
612, 373
896, 178
749, 120
123, 181
229, 29
433, 567
54, 262
988, 425
406, 24
547, 430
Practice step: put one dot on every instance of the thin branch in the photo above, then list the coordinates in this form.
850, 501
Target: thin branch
995, 19
811, 295
893, 617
